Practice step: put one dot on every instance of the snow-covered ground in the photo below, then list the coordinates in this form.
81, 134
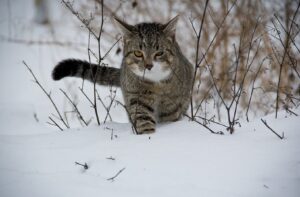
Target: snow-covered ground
180, 159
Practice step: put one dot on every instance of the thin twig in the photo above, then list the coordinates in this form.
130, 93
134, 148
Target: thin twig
211, 120
84, 21
47, 94
86, 96
100, 34
252, 89
197, 56
54, 123
283, 58
112, 98
75, 107
104, 106
118, 173
265, 123
111, 158
108, 51
94, 77
212, 131
85, 166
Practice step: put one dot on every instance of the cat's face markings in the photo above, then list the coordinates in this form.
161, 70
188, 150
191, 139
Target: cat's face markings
152, 67
148, 46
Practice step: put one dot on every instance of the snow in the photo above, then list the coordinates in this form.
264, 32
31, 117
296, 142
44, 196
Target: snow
180, 159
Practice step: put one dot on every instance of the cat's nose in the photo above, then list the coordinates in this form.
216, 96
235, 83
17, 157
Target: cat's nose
148, 66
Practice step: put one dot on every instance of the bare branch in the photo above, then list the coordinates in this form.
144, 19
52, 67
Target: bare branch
115, 176
197, 55
84, 21
288, 34
112, 98
54, 123
108, 51
47, 94
85, 166
265, 123
252, 89
212, 131
75, 107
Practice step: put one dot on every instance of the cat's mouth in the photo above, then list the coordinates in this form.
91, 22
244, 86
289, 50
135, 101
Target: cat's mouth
155, 72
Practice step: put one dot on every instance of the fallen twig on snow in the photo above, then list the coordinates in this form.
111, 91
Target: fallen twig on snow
113, 178
111, 158
85, 166
265, 123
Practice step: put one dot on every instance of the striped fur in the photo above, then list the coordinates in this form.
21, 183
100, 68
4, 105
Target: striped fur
83, 69
149, 99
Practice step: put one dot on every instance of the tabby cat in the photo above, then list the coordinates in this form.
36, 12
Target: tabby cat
155, 77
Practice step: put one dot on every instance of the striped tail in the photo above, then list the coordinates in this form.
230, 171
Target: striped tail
85, 70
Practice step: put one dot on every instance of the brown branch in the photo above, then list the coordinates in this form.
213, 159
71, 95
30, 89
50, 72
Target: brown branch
197, 56
84, 21
108, 51
204, 98
265, 123
111, 132
217, 32
290, 111
112, 98
101, 101
212, 41
47, 94
86, 96
248, 66
54, 123
211, 121
283, 58
215, 85
285, 30
111, 158
75, 107
212, 131
252, 89
232, 107
94, 77
100, 33
115, 176
293, 64
85, 166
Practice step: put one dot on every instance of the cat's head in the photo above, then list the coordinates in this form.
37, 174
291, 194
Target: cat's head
149, 48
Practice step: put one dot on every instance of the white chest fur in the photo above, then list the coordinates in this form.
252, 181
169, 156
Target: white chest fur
158, 72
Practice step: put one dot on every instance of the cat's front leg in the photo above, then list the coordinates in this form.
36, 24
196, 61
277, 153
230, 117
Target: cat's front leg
142, 115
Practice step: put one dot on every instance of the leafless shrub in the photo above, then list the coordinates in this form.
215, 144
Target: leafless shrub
246, 53
48, 94
98, 56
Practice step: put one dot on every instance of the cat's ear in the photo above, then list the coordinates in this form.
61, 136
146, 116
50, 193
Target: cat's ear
125, 28
170, 27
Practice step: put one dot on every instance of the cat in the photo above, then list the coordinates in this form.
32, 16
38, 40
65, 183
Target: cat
155, 77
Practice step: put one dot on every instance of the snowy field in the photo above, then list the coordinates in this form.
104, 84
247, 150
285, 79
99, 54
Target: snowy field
180, 159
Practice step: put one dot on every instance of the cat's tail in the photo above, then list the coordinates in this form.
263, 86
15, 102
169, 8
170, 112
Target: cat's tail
77, 68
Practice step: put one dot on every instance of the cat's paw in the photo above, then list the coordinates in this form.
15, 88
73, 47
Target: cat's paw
146, 131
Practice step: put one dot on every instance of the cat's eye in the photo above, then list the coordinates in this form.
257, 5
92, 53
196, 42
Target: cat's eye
138, 53
159, 54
